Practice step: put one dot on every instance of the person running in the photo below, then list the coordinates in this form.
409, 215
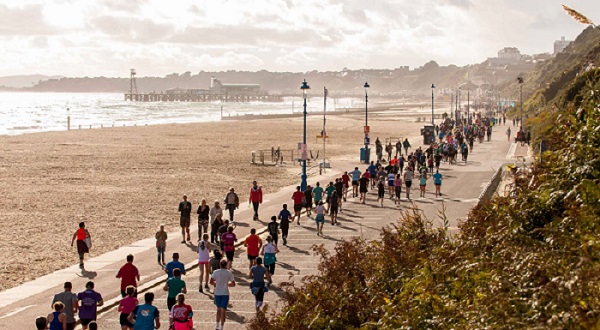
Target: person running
216, 221
298, 198
161, 244
89, 301
222, 230
317, 193
126, 306
372, 169
269, 252
363, 182
256, 198
259, 274
355, 177
408, 176
390, 184
397, 188
174, 286
284, 224
228, 239
437, 181
328, 191
180, 316
145, 316
204, 249
273, 229
253, 243
333, 207
82, 235
232, 202
174, 264
203, 218
185, 210
69, 299
381, 190
339, 188
222, 279
129, 275
308, 200
422, 183
508, 133
345, 184
320, 218
57, 320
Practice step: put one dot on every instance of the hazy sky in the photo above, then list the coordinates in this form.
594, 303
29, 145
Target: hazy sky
158, 37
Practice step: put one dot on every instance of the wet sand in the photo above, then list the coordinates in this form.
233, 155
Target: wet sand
124, 182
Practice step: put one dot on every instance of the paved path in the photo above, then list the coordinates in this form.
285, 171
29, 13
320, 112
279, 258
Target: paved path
461, 187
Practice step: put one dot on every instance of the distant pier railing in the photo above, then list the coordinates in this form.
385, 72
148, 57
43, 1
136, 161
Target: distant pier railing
164, 97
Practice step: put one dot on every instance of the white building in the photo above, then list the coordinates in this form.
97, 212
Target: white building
560, 45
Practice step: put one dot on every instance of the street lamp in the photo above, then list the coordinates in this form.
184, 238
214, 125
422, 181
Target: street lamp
367, 153
521, 81
432, 88
304, 87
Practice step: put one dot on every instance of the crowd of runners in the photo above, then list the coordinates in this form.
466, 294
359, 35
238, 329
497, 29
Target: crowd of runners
217, 238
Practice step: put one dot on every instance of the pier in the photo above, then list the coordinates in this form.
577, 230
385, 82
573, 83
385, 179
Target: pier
172, 97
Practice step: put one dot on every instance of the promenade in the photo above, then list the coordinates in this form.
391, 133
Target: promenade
461, 188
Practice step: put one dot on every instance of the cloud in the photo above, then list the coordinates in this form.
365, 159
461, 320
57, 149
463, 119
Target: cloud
132, 29
24, 21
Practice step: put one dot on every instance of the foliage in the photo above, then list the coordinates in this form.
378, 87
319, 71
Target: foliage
529, 261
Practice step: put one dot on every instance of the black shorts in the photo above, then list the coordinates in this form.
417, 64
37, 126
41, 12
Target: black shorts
364, 190
184, 221
229, 255
333, 209
408, 184
252, 257
123, 320
355, 183
381, 194
86, 321
308, 204
297, 207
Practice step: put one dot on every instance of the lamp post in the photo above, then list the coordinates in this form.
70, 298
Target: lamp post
521, 81
304, 87
367, 153
468, 106
432, 88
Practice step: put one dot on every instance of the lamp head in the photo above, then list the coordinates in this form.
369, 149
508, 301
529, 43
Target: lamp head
432, 86
366, 85
520, 80
304, 87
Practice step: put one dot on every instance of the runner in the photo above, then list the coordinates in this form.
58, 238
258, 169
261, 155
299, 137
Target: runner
89, 301
364, 183
390, 184
408, 176
203, 218
232, 202
339, 188
253, 243
216, 221
126, 306
320, 218
222, 279
215, 261
346, 184
381, 190
174, 286
258, 274
174, 264
228, 240
69, 299
256, 197
508, 133
269, 252
161, 244
298, 198
146, 316
57, 320
273, 229
128, 274
437, 181
355, 177
222, 230
317, 193
185, 209
308, 200
180, 316
372, 174
328, 191
204, 249
333, 207
284, 217
83, 237
422, 183
397, 188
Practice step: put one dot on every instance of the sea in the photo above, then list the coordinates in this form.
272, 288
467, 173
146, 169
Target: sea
24, 112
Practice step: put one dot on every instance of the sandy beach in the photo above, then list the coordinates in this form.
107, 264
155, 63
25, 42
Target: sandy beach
123, 182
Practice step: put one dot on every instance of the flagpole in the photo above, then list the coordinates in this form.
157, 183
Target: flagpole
324, 131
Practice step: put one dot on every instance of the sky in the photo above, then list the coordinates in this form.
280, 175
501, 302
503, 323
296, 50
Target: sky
158, 37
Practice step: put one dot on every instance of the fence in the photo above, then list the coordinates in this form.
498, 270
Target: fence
272, 157
489, 190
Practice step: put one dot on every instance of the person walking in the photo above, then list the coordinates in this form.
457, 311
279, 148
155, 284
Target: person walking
129, 275
84, 240
69, 300
203, 218
216, 221
320, 218
204, 249
437, 181
406, 145
232, 202
228, 240
259, 274
284, 222
174, 286
145, 316
126, 306
256, 197
161, 244
389, 149
253, 243
269, 252
89, 301
222, 279
298, 198
273, 229
398, 148
180, 316
174, 264
57, 320
408, 176
508, 133
185, 210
